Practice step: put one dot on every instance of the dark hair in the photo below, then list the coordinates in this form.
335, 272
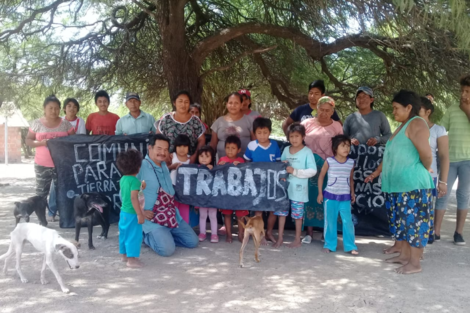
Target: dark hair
337, 140
429, 94
405, 98
233, 139
101, 93
182, 140
74, 101
320, 84
206, 149
182, 92
51, 98
296, 127
465, 80
234, 94
427, 105
195, 105
262, 122
154, 138
248, 97
129, 162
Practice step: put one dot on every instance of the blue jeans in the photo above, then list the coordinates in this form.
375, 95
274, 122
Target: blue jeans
460, 170
52, 200
164, 240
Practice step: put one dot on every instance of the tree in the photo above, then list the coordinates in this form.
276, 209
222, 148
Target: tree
158, 45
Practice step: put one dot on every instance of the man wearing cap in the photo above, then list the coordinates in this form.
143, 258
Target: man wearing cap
367, 126
316, 90
137, 121
246, 104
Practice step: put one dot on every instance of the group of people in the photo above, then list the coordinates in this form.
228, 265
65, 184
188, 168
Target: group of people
421, 161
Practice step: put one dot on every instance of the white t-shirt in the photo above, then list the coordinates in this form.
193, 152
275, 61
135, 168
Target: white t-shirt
173, 172
80, 128
437, 131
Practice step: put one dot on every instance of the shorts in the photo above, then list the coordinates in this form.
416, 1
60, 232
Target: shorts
238, 213
460, 170
297, 210
410, 216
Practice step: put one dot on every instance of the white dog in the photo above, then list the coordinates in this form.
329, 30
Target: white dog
45, 240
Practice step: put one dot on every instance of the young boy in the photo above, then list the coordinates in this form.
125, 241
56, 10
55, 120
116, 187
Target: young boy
263, 149
232, 148
102, 122
131, 217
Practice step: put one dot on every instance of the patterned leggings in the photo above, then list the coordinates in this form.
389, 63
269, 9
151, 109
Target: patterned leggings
44, 177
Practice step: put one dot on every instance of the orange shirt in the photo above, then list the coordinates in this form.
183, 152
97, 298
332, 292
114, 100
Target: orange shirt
102, 124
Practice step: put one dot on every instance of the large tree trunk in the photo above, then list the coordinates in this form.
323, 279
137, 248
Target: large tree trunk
182, 73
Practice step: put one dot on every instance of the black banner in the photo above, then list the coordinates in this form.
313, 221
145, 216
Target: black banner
247, 186
88, 164
369, 213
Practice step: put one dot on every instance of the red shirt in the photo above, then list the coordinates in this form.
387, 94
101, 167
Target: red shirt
102, 124
229, 160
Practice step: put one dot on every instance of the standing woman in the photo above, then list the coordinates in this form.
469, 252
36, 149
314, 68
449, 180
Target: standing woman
407, 183
42, 129
182, 122
71, 108
439, 142
319, 131
235, 122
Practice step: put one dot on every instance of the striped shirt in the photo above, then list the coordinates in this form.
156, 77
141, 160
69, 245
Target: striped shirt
338, 180
456, 122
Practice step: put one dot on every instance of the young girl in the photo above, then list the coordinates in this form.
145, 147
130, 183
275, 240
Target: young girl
338, 195
131, 217
180, 156
301, 167
206, 156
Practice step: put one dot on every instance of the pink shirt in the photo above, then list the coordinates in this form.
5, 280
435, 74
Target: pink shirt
226, 159
41, 132
318, 138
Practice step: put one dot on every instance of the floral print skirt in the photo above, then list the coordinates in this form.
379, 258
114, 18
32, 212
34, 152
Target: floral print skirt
411, 216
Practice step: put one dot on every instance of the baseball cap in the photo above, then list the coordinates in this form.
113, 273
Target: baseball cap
245, 92
366, 90
326, 99
132, 95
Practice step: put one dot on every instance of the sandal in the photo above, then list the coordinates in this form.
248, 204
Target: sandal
307, 239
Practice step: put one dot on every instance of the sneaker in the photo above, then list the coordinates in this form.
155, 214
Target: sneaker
431, 240
307, 239
437, 237
214, 238
458, 239
202, 237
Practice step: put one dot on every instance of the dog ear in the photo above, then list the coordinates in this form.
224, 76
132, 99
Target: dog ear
66, 251
85, 196
17, 204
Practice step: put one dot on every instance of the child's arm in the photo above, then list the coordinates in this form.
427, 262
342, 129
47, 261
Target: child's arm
306, 173
324, 169
351, 184
136, 206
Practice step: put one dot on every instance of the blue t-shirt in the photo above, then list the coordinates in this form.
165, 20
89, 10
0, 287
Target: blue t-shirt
257, 153
305, 112
303, 159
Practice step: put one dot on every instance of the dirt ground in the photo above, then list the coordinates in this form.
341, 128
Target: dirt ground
207, 279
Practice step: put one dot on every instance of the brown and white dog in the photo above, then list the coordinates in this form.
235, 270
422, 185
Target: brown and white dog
255, 228
45, 240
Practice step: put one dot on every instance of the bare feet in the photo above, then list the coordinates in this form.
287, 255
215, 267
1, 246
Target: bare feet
398, 259
408, 269
326, 250
264, 242
124, 258
353, 252
392, 250
228, 238
134, 263
222, 231
270, 237
295, 244
278, 243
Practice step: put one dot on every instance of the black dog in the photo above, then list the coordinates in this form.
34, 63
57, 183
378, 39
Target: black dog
91, 209
34, 204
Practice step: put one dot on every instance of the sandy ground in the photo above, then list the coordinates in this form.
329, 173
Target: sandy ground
207, 279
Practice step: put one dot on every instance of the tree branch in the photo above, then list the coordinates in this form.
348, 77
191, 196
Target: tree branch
238, 58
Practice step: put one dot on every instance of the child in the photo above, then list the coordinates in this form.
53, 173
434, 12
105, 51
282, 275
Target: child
206, 156
338, 195
232, 148
301, 167
131, 217
263, 149
180, 156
